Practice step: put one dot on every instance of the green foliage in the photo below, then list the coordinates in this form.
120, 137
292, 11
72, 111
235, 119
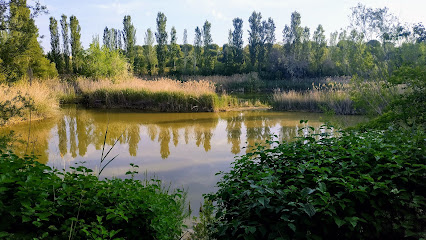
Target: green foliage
55, 49
129, 37
103, 62
38, 202
20, 52
76, 48
408, 109
66, 43
201, 228
161, 36
361, 185
149, 52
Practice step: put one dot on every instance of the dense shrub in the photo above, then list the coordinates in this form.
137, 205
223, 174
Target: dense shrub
368, 185
38, 202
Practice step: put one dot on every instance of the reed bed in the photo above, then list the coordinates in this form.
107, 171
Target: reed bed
22, 100
196, 88
334, 97
162, 95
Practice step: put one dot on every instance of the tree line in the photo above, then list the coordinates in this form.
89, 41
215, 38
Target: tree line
374, 40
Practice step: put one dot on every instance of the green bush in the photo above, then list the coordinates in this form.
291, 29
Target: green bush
38, 202
361, 185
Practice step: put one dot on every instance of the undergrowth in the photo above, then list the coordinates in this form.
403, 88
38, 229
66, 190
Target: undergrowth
361, 185
37, 202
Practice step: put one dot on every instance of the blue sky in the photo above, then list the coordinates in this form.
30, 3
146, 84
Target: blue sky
94, 15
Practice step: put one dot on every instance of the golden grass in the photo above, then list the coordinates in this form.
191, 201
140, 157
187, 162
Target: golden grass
196, 88
332, 96
39, 95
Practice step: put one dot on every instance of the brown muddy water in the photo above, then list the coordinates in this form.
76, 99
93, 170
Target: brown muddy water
184, 150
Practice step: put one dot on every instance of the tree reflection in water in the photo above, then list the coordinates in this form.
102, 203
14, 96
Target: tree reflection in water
77, 129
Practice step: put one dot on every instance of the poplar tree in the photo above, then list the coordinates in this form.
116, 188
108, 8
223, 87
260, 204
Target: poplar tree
254, 37
198, 42
55, 50
185, 49
161, 36
209, 52
149, 51
319, 49
66, 42
106, 37
237, 40
76, 48
175, 52
129, 35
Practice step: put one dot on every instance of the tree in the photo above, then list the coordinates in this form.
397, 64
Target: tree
161, 36
209, 53
76, 48
175, 51
129, 35
254, 37
111, 38
149, 52
185, 49
319, 49
66, 43
198, 42
106, 37
237, 41
55, 50
20, 52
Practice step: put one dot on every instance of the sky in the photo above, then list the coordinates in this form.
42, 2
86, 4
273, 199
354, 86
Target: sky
95, 15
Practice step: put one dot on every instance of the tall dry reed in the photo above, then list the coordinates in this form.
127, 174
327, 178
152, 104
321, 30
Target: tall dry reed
196, 88
18, 99
333, 97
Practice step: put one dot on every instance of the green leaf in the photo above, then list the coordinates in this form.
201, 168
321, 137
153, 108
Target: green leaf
251, 229
261, 201
339, 221
322, 187
352, 220
306, 191
292, 227
309, 209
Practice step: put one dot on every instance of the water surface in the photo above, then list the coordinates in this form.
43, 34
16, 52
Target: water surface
183, 149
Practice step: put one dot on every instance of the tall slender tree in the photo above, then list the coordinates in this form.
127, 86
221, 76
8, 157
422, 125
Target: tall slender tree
238, 42
55, 49
149, 51
66, 43
208, 53
175, 51
319, 49
185, 49
129, 35
106, 37
161, 36
198, 42
255, 22
76, 47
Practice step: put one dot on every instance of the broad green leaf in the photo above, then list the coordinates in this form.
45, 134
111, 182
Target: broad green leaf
309, 209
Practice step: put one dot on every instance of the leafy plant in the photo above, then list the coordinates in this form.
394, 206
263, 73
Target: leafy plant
361, 185
39, 202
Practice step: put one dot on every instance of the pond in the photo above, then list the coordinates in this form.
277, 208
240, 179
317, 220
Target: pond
181, 149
